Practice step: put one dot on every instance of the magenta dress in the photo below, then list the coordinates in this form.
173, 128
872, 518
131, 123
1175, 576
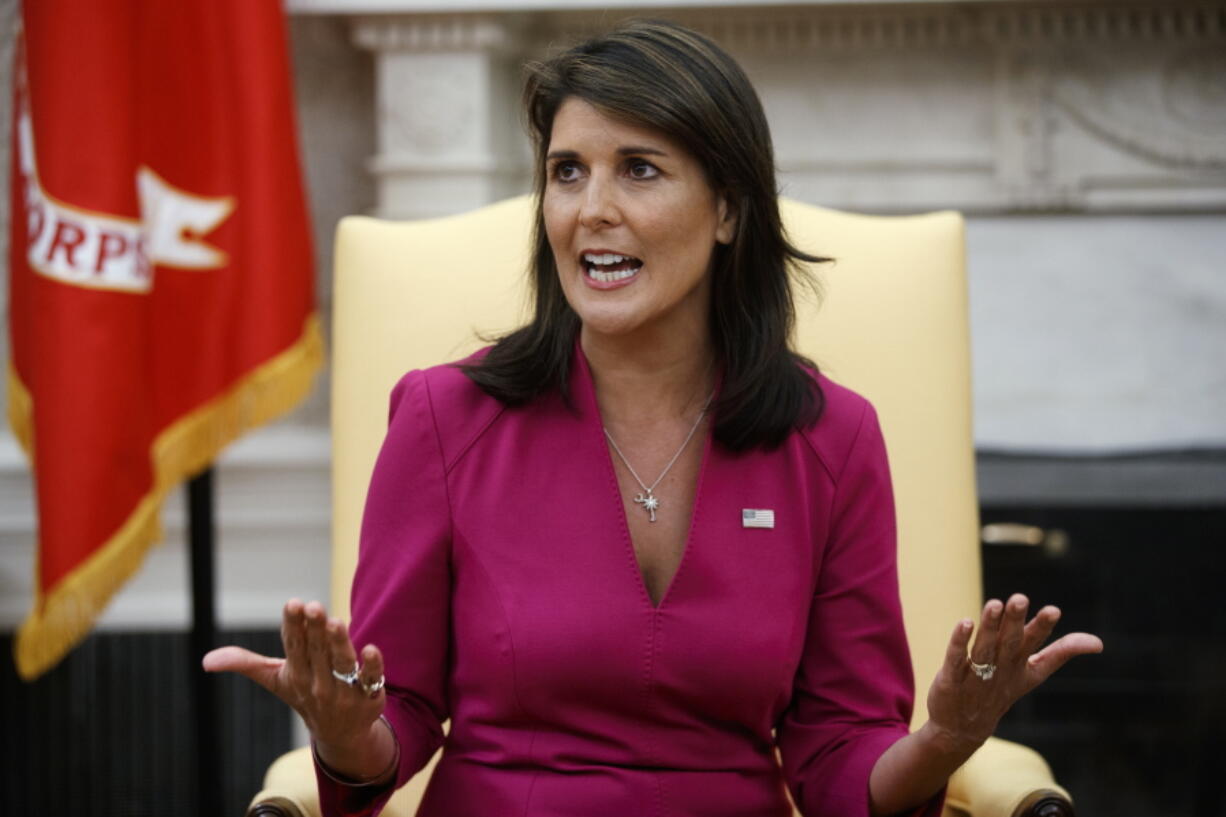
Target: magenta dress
497, 575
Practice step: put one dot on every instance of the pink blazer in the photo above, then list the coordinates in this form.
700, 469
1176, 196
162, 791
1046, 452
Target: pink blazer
496, 573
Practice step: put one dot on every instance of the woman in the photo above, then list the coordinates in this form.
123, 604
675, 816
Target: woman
644, 421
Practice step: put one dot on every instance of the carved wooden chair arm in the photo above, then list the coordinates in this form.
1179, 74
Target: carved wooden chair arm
1002, 779
1006, 779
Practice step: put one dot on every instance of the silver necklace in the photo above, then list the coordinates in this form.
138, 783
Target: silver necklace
647, 499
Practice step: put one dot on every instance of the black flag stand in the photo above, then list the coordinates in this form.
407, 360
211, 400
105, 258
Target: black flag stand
202, 639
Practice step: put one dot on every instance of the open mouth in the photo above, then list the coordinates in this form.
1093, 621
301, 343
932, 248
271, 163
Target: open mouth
609, 267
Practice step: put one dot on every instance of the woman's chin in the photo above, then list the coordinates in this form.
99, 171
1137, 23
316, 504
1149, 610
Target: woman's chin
601, 322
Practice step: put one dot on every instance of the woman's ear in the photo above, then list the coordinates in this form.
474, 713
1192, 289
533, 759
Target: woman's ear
726, 228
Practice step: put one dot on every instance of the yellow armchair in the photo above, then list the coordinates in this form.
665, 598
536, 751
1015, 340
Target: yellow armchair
892, 324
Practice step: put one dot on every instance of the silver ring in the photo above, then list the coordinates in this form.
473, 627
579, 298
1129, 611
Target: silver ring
373, 689
350, 678
984, 671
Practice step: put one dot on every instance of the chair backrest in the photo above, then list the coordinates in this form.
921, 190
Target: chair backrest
892, 324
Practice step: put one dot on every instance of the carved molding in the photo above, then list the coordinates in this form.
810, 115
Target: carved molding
1102, 106
815, 27
429, 105
447, 137
1026, 160
859, 28
1176, 128
1102, 23
1195, 89
438, 32
794, 30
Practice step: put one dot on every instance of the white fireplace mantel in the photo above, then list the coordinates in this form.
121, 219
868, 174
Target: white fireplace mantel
989, 107
448, 6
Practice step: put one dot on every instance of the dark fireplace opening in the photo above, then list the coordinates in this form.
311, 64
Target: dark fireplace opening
1134, 550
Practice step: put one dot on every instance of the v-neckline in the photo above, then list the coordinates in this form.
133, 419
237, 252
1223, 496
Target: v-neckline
588, 384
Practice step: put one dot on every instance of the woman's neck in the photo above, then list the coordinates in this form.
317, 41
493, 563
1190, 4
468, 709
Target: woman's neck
646, 380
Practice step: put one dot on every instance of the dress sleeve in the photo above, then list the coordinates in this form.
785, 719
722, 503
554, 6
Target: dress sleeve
401, 593
853, 690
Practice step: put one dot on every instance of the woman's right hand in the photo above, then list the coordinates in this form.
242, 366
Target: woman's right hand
343, 719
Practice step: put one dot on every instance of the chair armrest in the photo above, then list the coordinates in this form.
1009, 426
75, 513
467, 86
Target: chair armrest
1002, 779
289, 788
1006, 779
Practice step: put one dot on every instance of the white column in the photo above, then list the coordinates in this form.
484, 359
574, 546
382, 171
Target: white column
447, 93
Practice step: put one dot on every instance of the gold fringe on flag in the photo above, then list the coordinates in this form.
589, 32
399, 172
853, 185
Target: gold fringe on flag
20, 411
64, 616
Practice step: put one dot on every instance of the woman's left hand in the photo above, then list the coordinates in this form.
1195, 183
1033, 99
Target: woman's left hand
964, 706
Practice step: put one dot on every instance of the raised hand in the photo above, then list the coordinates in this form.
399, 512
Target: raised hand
971, 694
339, 698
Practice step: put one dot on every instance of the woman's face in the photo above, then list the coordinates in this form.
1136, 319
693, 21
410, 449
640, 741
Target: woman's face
632, 223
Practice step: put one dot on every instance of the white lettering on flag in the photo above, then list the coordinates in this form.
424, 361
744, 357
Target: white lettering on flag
104, 251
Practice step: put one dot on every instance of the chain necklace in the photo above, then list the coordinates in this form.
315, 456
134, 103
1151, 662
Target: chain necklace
647, 499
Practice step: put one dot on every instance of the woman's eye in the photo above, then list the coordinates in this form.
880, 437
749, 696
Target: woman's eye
643, 170
566, 171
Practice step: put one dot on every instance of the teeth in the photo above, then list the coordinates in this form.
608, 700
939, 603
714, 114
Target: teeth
593, 261
604, 258
608, 277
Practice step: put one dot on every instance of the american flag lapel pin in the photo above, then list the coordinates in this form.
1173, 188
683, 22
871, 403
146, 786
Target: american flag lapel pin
757, 518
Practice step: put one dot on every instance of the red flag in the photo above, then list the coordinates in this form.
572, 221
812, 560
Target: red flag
160, 272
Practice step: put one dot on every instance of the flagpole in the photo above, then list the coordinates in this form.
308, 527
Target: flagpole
202, 639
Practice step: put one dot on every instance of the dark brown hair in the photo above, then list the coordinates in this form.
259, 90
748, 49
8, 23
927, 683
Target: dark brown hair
661, 75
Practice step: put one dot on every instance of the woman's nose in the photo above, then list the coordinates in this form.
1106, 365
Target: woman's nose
599, 206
